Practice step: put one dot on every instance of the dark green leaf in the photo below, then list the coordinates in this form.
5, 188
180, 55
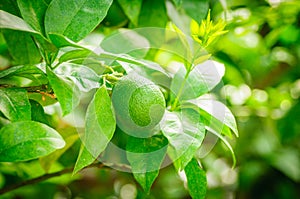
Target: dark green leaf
9, 21
33, 12
200, 80
132, 9
26, 140
38, 113
16, 70
14, 104
153, 14
196, 9
10, 6
22, 47
100, 124
145, 156
31, 75
73, 55
196, 180
61, 41
77, 18
66, 92
185, 131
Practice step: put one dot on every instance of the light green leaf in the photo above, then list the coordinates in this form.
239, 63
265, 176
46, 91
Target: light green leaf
196, 180
33, 12
132, 9
132, 43
185, 132
203, 78
22, 47
223, 139
14, 104
70, 135
100, 125
145, 156
213, 126
66, 92
219, 111
196, 9
36, 139
84, 77
151, 71
9, 21
84, 159
77, 18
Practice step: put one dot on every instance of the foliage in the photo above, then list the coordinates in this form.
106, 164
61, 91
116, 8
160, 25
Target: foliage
59, 64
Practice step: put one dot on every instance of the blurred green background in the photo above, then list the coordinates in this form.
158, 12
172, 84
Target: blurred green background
261, 52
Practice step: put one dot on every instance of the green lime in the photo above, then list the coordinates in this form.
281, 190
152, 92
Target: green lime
138, 102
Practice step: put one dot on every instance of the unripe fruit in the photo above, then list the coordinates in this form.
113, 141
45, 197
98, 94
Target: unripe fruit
139, 104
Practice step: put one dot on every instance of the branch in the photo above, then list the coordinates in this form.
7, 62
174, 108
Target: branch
43, 178
42, 89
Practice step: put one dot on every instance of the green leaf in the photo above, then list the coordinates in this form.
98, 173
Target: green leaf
22, 47
33, 12
26, 140
213, 125
84, 77
14, 104
145, 156
132, 43
38, 113
11, 7
150, 70
177, 3
61, 41
84, 159
28, 75
196, 180
20, 70
196, 9
70, 135
73, 55
132, 9
153, 14
185, 132
219, 111
9, 21
77, 18
67, 93
223, 139
203, 78
100, 125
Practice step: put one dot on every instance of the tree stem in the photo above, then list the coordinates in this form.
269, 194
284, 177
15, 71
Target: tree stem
43, 178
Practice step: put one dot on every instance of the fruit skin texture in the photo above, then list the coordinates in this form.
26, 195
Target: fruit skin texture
139, 104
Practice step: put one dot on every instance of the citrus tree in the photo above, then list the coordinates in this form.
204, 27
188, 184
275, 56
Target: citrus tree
127, 85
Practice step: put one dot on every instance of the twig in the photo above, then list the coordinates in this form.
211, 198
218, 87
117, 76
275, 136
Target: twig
43, 178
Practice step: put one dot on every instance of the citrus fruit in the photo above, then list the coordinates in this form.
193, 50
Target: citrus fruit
138, 102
